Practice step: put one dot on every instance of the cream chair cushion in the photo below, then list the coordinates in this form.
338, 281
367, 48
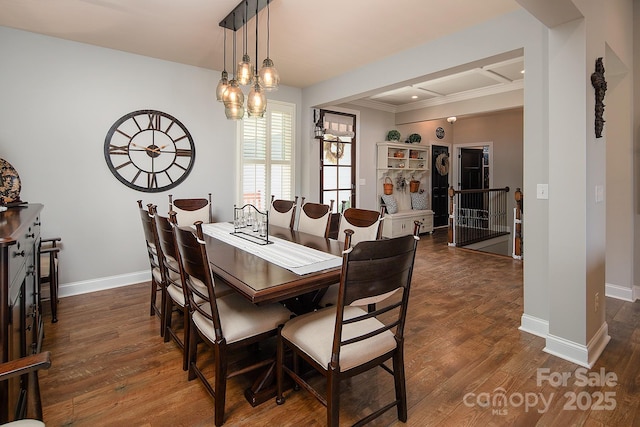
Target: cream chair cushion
185, 217
241, 319
313, 334
315, 226
24, 423
359, 233
280, 219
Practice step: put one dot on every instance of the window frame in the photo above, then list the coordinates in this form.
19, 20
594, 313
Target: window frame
272, 107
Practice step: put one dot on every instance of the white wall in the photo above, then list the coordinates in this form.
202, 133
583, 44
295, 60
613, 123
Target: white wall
59, 99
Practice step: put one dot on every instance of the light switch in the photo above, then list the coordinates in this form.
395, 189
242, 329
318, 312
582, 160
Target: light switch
543, 191
599, 193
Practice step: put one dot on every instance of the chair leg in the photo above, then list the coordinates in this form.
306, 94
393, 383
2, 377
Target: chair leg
154, 287
167, 319
186, 338
333, 400
193, 350
53, 284
220, 384
401, 388
163, 301
279, 370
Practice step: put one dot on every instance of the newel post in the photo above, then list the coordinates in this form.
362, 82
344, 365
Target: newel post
452, 192
517, 225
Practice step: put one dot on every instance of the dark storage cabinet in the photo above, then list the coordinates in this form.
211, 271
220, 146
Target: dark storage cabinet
21, 329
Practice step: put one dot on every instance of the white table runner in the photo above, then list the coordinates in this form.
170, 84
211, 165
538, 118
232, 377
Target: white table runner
292, 256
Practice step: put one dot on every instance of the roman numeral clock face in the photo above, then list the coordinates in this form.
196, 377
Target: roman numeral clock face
149, 151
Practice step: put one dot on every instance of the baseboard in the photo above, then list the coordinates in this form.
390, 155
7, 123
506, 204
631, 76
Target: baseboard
103, 283
577, 353
621, 292
534, 325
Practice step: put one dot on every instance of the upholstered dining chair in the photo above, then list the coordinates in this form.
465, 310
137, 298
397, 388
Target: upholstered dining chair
28, 365
346, 340
175, 294
151, 241
283, 212
366, 225
191, 210
49, 249
315, 218
226, 324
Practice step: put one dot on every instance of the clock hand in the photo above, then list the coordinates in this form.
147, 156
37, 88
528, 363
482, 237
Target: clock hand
153, 150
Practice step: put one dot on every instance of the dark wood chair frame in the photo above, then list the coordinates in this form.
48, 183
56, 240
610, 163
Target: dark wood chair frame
284, 206
194, 262
28, 366
153, 246
49, 249
369, 269
167, 242
191, 204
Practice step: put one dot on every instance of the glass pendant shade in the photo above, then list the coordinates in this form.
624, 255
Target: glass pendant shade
234, 112
222, 86
256, 101
269, 76
233, 95
245, 70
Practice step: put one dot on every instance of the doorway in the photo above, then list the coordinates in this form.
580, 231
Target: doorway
338, 160
440, 185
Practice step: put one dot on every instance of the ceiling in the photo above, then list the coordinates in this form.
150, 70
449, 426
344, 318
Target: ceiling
310, 41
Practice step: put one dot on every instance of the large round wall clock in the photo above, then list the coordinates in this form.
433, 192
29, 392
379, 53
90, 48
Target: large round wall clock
149, 151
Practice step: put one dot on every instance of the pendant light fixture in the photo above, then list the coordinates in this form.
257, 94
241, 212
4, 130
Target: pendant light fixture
245, 67
269, 77
224, 80
233, 97
244, 72
256, 100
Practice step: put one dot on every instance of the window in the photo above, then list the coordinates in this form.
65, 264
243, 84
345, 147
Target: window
267, 155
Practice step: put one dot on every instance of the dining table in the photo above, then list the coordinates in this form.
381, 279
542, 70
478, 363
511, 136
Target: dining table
291, 265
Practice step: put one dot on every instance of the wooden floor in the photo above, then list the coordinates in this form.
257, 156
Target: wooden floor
466, 361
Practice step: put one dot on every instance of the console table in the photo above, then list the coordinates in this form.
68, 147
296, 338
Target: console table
21, 330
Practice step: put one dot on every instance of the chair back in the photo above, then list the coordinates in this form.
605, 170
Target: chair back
166, 240
366, 224
150, 234
191, 210
196, 273
283, 212
315, 218
373, 271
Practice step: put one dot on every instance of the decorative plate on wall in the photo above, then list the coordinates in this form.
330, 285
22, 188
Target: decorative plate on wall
9, 185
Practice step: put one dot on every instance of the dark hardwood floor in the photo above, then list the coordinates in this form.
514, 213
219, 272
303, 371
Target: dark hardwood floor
466, 361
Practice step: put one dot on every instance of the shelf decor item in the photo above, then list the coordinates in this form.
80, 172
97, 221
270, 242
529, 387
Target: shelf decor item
414, 185
10, 185
388, 185
393, 135
414, 138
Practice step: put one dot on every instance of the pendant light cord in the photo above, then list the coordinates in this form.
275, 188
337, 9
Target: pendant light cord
268, 27
224, 58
